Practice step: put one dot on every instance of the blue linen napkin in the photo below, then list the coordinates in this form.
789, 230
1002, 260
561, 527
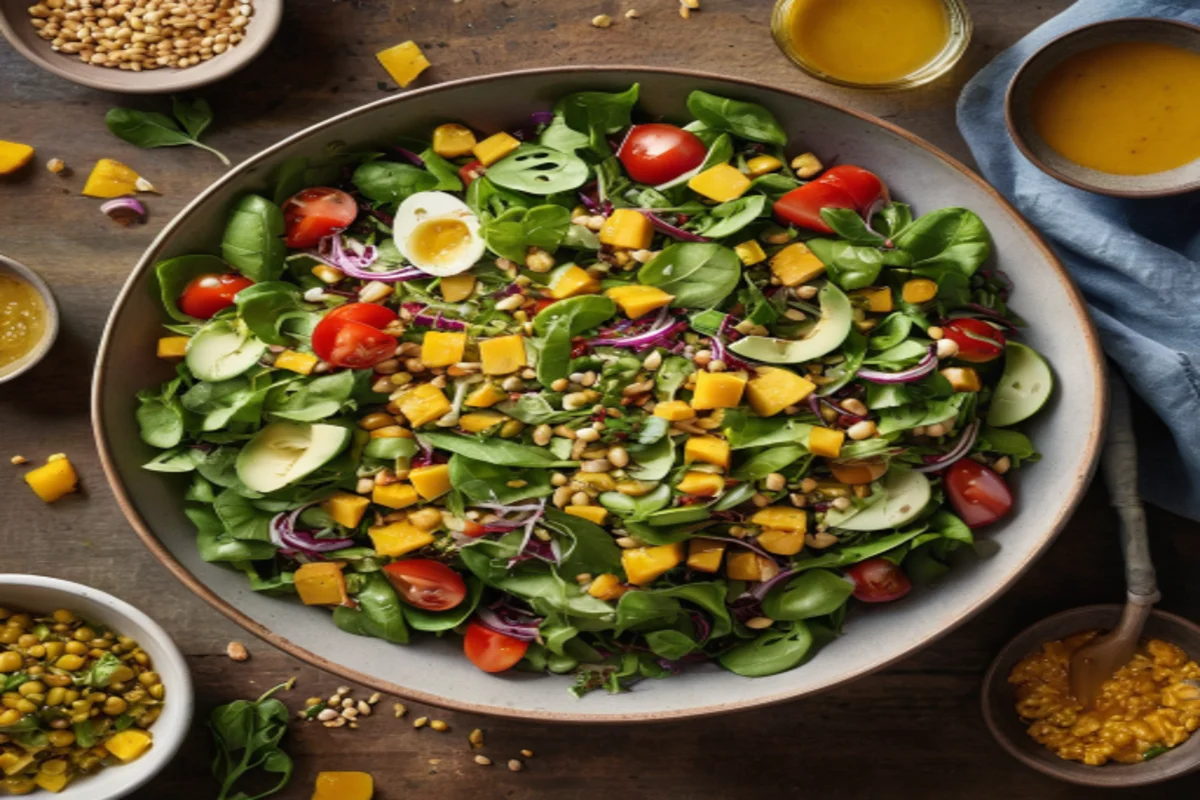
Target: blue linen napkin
1137, 261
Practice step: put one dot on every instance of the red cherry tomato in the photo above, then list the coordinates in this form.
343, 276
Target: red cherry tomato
657, 152
312, 214
372, 314
542, 304
492, 651
878, 580
863, 186
205, 295
470, 171
845, 186
979, 495
977, 340
426, 584
350, 336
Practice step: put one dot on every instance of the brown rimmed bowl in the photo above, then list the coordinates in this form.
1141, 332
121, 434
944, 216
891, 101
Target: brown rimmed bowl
1019, 97
434, 671
1000, 700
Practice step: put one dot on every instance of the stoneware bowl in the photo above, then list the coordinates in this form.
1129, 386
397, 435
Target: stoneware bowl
16, 25
1018, 102
435, 671
49, 333
1000, 700
36, 593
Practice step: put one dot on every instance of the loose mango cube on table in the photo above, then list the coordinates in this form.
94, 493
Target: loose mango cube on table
13, 156
53, 480
344, 786
404, 62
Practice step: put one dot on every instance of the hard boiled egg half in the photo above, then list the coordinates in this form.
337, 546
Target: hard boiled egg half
437, 233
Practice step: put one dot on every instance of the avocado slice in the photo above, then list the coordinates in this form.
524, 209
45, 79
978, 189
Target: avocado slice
284, 452
828, 334
903, 496
219, 351
1024, 386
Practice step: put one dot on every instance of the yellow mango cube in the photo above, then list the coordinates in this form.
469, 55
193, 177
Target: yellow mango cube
637, 300
13, 156
750, 252
128, 744
718, 390
707, 449
704, 555
600, 481
53, 480
502, 355
51, 782
343, 786
785, 518
596, 514
441, 349
761, 165
874, 298
721, 183
573, 281
398, 538
494, 148
404, 62
395, 495
452, 140
606, 587
431, 481
643, 564
391, 432
423, 404
772, 389
701, 484
321, 583
346, 509
627, 228
486, 396
456, 288
478, 421
825, 442
111, 178
171, 347
796, 264
918, 290
301, 363
745, 565
962, 379
780, 542
674, 410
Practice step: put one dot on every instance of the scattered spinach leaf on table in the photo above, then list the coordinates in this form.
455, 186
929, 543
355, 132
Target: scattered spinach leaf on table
247, 735
151, 129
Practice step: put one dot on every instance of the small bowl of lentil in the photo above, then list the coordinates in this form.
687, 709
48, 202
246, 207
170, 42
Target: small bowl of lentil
1144, 727
95, 698
140, 46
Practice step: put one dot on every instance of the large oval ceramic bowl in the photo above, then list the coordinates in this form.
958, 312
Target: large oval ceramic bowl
435, 671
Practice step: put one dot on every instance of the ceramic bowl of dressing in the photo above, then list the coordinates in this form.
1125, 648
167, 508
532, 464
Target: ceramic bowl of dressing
1111, 108
22, 288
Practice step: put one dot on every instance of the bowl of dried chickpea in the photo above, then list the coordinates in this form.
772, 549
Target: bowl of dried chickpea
95, 698
140, 46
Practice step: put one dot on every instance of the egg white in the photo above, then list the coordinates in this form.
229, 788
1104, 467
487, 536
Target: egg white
425, 207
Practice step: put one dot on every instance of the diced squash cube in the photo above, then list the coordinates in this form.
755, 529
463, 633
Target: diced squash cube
674, 410
452, 140
796, 264
502, 355
627, 228
432, 481
441, 349
874, 298
744, 565
701, 484
494, 148
784, 518
128, 744
344, 786
13, 156
962, 379
643, 564
600, 481
761, 165
391, 432
750, 252
704, 555
478, 421
423, 404
607, 587
486, 396
50, 781
772, 389
637, 300
918, 290
721, 183
404, 62
398, 538
571, 281
825, 442
395, 495
53, 480
718, 390
112, 179
346, 509
321, 583
173, 346
707, 449
456, 288
780, 542
302, 363
596, 514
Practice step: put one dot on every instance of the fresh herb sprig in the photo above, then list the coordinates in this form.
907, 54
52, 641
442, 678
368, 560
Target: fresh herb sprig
150, 129
247, 735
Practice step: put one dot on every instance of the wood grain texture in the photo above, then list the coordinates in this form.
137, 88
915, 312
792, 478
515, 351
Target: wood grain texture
915, 728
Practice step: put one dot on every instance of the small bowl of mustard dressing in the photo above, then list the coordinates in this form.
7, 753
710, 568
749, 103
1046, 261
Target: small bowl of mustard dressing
872, 44
1111, 108
28, 318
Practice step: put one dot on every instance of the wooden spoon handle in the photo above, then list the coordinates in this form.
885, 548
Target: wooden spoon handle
1121, 475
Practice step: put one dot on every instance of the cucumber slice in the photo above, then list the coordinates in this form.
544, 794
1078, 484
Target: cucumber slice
219, 351
828, 334
902, 497
284, 452
1024, 387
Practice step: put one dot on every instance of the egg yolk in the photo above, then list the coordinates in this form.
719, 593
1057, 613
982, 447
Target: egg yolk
439, 240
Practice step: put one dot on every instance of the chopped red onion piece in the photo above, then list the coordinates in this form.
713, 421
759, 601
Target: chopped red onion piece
408, 155
960, 450
332, 251
541, 117
675, 232
927, 365
526, 631
124, 210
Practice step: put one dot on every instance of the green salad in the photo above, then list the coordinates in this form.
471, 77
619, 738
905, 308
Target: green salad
601, 395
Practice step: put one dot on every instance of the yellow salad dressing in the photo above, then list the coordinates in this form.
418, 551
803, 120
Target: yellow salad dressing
1127, 108
22, 319
869, 41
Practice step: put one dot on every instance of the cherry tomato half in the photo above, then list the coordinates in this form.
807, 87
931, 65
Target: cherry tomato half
878, 580
844, 186
426, 584
470, 171
492, 651
979, 495
656, 153
864, 187
350, 336
205, 295
314, 213
977, 340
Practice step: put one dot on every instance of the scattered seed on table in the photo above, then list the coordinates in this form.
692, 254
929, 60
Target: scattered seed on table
420, 722
439, 726
515, 765
483, 761
399, 710
375, 698
312, 701
18, 460
601, 21
237, 651
527, 753
476, 738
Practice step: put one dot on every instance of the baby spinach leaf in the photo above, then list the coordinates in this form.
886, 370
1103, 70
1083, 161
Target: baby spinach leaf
516, 230
177, 459
215, 545
811, 594
253, 240
1007, 442
266, 306
854, 349
194, 115
927, 412
774, 184
849, 266
671, 376
771, 652
437, 621
160, 416
709, 596
584, 313
497, 451
699, 274
174, 274
558, 135
893, 218
652, 462
443, 170
646, 610
742, 430
598, 114
535, 409
844, 556
670, 644
774, 459
391, 182
241, 519
379, 614
149, 129
587, 548
309, 400
484, 482
219, 403
892, 331
247, 735
747, 120
389, 449
554, 361
948, 239
729, 218
847, 224
539, 170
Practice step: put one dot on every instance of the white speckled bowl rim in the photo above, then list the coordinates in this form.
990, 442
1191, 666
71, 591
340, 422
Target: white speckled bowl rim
49, 333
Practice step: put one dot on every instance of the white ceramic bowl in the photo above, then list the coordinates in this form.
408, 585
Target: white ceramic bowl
39, 594
49, 333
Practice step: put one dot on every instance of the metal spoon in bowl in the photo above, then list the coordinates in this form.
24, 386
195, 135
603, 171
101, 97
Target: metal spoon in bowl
1097, 661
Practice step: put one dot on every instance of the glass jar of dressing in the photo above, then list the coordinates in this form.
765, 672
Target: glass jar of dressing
872, 44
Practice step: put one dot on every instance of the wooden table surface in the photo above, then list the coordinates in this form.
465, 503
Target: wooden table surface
913, 731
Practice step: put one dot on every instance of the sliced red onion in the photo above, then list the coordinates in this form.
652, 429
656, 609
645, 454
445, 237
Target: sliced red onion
285, 536
960, 450
927, 365
742, 543
124, 210
663, 328
438, 322
408, 155
675, 232
541, 117
333, 252
720, 353
976, 311
701, 624
526, 631
760, 591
